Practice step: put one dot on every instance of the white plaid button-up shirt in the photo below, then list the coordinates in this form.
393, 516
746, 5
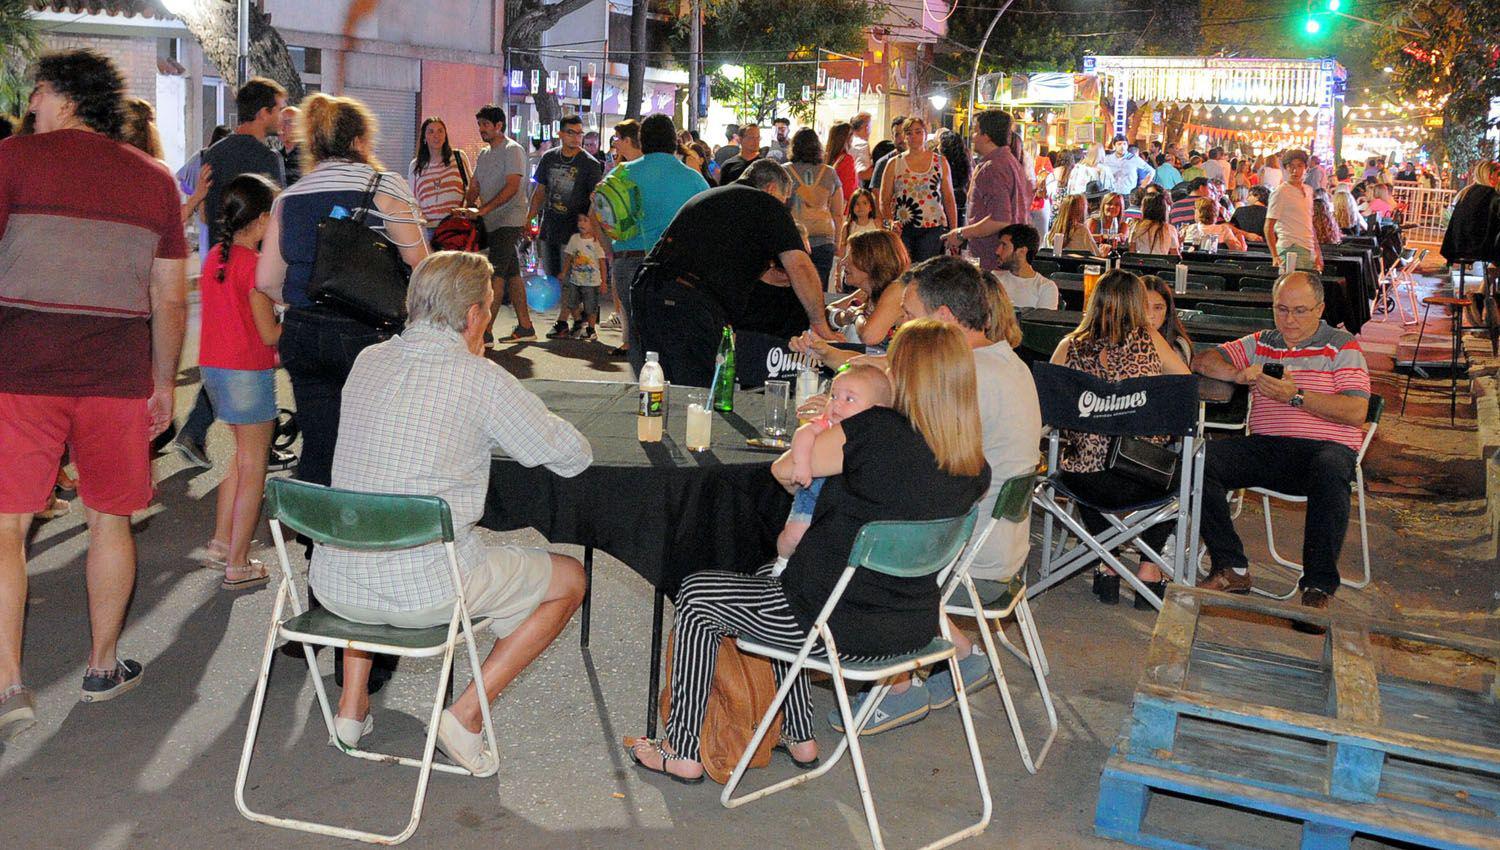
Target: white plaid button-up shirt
421, 415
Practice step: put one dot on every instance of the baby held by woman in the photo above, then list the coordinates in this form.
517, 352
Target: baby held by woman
856, 388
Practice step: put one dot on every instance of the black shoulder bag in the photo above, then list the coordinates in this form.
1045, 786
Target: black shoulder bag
1142, 461
357, 272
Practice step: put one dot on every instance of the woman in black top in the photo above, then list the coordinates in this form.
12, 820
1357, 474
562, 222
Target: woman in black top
920, 459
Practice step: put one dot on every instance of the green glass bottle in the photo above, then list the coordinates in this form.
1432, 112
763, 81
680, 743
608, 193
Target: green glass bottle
723, 389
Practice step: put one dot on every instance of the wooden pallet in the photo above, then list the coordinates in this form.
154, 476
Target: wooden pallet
1127, 789
1338, 732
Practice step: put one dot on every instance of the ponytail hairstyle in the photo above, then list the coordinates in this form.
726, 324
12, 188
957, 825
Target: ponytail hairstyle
245, 200
330, 127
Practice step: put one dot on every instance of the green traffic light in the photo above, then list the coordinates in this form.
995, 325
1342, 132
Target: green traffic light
1334, 5
1313, 26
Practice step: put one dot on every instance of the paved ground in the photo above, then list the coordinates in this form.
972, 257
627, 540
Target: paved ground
156, 768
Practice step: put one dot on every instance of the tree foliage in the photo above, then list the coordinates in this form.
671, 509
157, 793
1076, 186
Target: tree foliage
1054, 35
1455, 67
757, 34
19, 44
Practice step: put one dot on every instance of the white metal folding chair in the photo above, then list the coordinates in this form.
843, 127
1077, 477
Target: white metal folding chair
1372, 419
366, 522
1161, 405
992, 601
903, 549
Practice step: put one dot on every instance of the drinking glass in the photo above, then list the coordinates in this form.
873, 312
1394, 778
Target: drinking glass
778, 394
700, 419
1091, 275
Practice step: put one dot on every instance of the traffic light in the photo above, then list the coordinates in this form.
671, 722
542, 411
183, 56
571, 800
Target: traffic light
1312, 26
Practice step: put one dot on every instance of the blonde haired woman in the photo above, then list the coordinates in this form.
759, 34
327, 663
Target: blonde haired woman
1346, 211
1086, 171
318, 345
921, 458
1071, 223
1109, 220
1114, 341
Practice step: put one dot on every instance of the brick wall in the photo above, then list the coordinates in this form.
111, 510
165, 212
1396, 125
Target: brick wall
135, 57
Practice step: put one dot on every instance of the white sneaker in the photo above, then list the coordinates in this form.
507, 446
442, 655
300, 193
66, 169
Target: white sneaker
349, 731
465, 748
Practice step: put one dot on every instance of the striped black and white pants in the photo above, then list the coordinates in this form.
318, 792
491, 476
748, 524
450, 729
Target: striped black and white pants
713, 605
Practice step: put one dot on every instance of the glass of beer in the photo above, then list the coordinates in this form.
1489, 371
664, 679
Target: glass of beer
700, 420
1091, 275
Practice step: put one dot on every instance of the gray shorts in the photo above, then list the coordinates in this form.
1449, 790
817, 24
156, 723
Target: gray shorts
588, 296
504, 250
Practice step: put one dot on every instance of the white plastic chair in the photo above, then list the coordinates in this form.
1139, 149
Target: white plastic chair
367, 522
993, 601
903, 549
1372, 418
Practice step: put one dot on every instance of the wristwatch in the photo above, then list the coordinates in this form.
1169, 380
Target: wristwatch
1297, 400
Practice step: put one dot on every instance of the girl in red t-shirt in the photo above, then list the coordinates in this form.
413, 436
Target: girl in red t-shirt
237, 358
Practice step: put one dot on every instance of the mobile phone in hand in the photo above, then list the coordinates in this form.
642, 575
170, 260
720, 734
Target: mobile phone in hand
1274, 370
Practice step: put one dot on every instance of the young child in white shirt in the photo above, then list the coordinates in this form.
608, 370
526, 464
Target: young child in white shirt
583, 278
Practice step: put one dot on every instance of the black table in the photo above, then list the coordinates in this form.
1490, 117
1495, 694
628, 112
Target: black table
1070, 293
663, 511
1345, 299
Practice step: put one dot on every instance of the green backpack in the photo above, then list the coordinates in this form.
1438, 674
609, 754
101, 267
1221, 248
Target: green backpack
617, 203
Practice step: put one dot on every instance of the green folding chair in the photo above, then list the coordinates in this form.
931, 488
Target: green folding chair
904, 550
367, 522
992, 601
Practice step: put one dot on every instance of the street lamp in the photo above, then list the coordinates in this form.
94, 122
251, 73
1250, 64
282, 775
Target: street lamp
938, 101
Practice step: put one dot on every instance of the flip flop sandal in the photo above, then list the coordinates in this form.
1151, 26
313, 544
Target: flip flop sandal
809, 764
210, 557
253, 574
665, 757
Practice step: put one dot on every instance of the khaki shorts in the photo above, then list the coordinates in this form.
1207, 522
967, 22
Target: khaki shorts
506, 587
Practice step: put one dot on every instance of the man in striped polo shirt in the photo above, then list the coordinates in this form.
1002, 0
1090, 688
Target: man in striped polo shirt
92, 313
1305, 430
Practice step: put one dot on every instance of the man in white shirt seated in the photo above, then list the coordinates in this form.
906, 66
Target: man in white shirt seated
422, 413
1024, 284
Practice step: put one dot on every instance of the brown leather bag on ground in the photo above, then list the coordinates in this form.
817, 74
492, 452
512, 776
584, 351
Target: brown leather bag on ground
742, 690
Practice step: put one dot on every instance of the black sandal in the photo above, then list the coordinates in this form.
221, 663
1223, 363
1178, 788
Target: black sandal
665, 757
781, 746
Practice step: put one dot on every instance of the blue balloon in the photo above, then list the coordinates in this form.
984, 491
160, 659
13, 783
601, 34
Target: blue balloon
543, 291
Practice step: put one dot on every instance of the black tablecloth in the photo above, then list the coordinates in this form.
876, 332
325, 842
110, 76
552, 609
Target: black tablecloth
662, 510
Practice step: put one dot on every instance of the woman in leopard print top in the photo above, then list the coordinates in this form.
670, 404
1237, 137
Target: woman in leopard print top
1114, 341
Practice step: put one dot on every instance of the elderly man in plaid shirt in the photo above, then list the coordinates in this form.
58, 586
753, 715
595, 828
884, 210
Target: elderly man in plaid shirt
422, 413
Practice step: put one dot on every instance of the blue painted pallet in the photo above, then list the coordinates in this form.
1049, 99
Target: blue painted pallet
1127, 789
1343, 729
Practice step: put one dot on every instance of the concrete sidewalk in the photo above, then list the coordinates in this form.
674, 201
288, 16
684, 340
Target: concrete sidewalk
156, 767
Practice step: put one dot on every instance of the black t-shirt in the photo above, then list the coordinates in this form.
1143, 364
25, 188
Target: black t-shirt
569, 182
233, 155
731, 170
889, 474
1250, 218
726, 238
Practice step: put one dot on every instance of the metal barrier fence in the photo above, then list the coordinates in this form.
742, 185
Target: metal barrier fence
1426, 212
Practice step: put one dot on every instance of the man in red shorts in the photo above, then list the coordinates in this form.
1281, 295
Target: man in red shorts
92, 313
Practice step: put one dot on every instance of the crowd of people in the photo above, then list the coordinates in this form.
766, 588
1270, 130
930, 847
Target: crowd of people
931, 251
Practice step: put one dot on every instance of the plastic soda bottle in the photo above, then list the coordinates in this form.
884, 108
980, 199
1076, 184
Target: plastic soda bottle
652, 409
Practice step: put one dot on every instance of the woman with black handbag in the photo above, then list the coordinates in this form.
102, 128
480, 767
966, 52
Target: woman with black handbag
342, 183
1114, 341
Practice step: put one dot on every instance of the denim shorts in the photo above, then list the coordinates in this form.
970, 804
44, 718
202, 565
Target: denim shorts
805, 501
241, 396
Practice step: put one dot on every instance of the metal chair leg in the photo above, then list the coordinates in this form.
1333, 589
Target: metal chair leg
1416, 354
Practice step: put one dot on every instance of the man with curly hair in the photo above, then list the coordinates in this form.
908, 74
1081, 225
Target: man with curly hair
92, 312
